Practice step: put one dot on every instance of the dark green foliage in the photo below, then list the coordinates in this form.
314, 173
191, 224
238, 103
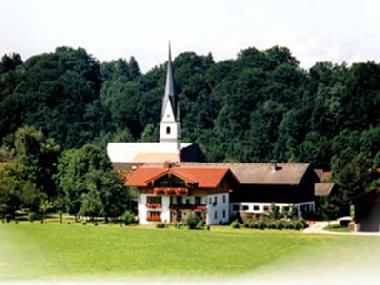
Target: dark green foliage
235, 225
90, 187
161, 226
33, 216
127, 218
258, 108
192, 221
26, 178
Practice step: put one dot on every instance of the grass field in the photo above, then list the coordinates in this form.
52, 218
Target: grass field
337, 228
35, 251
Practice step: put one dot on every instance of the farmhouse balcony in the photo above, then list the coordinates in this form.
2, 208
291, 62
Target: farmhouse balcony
170, 191
192, 207
153, 206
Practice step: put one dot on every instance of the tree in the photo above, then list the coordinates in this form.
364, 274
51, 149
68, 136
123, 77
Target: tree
10, 189
134, 68
89, 184
9, 62
352, 179
39, 157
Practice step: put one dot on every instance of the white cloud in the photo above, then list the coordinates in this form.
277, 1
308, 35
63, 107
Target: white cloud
313, 30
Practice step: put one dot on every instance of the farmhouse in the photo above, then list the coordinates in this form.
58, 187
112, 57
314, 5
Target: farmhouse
217, 191
173, 179
169, 193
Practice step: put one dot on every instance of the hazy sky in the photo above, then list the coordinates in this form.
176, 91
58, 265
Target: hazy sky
335, 30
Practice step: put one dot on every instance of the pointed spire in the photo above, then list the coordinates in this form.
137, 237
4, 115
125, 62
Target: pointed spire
170, 89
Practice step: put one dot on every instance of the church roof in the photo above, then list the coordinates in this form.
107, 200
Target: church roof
143, 152
157, 157
170, 95
206, 177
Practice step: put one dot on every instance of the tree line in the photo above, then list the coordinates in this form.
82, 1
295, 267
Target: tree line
260, 107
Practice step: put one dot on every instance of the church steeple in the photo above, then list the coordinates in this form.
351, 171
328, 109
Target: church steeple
170, 94
170, 114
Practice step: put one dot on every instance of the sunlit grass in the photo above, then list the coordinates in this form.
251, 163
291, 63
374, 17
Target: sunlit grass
35, 251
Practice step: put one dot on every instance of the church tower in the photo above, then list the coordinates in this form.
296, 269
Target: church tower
170, 127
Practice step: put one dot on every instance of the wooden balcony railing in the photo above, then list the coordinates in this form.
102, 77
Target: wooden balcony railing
170, 191
188, 207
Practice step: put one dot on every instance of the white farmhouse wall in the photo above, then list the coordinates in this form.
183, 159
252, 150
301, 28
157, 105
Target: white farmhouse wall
215, 210
165, 211
260, 208
165, 214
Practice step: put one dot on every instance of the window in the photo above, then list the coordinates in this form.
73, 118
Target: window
210, 200
235, 207
187, 201
198, 200
256, 208
245, 208
266, 208
286, 209
216, 215
216, 200
224, 214
153, 216
224, 199
179, 200
153, 200
167, 130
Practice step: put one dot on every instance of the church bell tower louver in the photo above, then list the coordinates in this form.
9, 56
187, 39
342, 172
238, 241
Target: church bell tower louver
170, 127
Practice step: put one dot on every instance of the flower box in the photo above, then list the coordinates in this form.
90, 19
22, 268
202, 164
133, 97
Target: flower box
158, 191
181, 191
200, 208
152, 206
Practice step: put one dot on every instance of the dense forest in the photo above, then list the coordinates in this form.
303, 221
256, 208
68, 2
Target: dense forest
260, 107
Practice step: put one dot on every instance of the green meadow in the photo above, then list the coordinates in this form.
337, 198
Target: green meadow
53, 251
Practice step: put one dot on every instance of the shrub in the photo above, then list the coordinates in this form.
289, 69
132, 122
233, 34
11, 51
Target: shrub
8, 218
235, 225
128, 218
262, 224
160, 226
201, 224
279, 225
33, 216
178, 226
192, 221
255, 225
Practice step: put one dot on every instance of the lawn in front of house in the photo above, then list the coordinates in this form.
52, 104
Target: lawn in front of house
337, 228
55, 251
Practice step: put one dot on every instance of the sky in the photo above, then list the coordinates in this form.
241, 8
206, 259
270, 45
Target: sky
334, 30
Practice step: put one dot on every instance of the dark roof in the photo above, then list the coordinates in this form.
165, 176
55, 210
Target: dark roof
262, 173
